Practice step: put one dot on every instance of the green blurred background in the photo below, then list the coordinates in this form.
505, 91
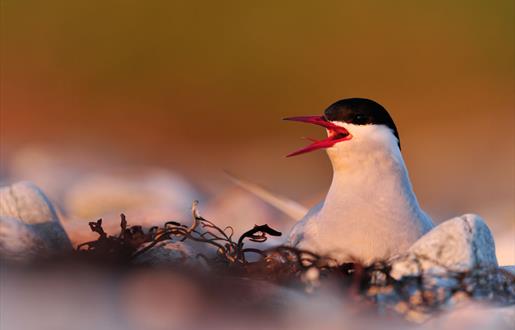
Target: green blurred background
202, 86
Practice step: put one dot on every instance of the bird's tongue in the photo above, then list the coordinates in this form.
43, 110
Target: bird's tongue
335, 134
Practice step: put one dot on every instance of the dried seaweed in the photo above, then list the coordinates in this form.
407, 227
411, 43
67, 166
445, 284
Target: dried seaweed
133, 241
119, 248
416, 297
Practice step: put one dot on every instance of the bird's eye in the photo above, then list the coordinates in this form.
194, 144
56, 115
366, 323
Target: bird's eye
359, 119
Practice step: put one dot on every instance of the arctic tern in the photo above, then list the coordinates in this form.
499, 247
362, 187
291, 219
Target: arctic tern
370, 211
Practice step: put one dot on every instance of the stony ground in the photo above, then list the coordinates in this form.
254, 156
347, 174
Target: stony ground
196, 274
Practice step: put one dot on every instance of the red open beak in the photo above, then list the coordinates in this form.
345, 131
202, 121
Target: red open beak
335, 133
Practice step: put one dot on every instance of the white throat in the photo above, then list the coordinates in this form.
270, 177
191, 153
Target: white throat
370, 165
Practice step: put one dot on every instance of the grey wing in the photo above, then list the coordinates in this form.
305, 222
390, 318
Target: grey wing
297, 232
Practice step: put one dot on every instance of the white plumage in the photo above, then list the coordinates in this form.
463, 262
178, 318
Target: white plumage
370, 211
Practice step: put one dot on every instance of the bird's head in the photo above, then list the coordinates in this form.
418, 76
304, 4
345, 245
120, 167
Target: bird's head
354, 125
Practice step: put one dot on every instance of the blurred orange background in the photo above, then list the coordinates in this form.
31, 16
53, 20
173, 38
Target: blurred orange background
199, 87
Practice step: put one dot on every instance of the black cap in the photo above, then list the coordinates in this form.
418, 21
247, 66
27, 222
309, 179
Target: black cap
360, 111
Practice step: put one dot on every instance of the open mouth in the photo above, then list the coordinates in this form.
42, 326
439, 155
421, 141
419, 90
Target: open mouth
335, 134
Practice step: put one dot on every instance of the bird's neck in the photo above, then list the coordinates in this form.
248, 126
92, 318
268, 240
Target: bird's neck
376, 178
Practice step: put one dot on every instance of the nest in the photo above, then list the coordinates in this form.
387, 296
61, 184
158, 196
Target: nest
415, 297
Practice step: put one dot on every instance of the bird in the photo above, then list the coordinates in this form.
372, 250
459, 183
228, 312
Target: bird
370, 211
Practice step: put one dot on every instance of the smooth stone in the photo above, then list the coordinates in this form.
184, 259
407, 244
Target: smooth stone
100, 193
25, 202
459, 244
167, 253
18, 241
